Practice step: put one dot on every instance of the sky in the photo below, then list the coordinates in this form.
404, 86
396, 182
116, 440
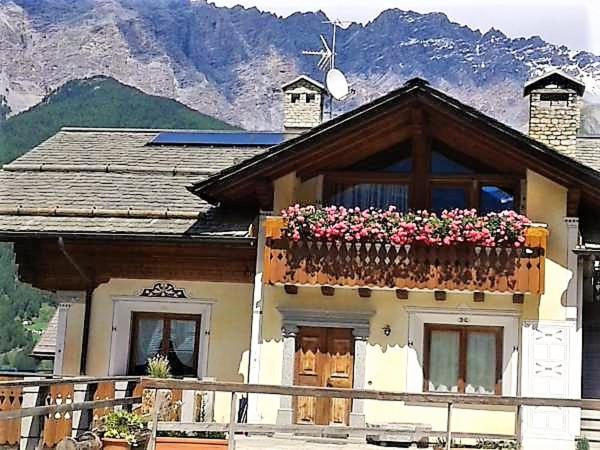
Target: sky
574, 23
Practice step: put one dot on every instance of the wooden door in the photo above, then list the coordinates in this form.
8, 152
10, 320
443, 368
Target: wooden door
324, 358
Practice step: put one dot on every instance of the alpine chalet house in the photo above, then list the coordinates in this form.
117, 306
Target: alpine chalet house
173, 242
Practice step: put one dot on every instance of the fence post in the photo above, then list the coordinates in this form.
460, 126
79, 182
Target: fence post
232, 419
449, 427
518, 426
155, 409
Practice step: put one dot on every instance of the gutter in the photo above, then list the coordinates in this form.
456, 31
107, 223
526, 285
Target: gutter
88, 305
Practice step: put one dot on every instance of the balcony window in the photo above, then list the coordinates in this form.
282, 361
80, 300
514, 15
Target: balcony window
495, 199
463, 359
366, 195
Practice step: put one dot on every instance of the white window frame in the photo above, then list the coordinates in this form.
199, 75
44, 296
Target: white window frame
418, 317
123, 309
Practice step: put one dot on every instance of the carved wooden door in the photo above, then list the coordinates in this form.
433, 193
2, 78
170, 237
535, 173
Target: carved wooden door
324, 358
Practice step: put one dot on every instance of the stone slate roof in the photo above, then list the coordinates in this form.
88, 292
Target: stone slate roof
46, 346
109, 181
588, 151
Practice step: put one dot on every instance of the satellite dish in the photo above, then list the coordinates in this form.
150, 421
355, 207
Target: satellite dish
336, 84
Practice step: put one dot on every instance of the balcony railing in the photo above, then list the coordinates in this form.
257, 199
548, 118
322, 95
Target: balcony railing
458, 267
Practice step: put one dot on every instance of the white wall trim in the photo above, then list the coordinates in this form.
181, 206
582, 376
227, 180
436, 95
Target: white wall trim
418, 317
123, 307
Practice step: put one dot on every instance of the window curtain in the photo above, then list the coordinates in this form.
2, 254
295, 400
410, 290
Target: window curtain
148, 342
181, 346
371, 195
444, 361
481, 363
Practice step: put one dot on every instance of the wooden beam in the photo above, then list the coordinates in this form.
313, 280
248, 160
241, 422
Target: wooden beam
573, 201
364, 292
291, 289
440, 296
478, 297
421, 153
327, 291
518, 299
402, 294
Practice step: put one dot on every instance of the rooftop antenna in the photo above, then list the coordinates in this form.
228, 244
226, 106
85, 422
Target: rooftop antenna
335, 80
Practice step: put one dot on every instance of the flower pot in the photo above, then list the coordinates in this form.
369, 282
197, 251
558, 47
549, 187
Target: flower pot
115, 444
176, 443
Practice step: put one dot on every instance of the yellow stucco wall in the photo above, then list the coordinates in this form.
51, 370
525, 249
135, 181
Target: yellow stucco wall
386, 362
229, 338
386, 358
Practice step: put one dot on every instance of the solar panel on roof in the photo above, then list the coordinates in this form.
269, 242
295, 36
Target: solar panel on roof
246, 139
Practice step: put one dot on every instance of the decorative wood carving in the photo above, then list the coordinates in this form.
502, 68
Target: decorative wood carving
162, 289
10, 400
460, 267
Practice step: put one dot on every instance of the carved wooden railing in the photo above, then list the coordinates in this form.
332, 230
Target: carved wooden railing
57, 404
458, 267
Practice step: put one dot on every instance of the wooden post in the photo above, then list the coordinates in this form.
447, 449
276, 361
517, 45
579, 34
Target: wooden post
232, 420
449, 427
155, 410
518, 426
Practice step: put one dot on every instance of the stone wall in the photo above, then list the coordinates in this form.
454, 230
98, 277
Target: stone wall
299, 112
555, 121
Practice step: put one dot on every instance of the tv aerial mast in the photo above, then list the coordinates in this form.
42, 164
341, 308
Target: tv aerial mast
335, 80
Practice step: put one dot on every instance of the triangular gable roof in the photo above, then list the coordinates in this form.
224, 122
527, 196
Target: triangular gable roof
285, 157
309, 80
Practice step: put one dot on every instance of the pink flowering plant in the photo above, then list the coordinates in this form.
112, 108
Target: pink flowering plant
337, 223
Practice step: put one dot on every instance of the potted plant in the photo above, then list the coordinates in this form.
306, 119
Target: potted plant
159, 367
122, 430
208, 440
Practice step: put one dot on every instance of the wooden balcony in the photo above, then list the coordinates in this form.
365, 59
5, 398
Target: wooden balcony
454, 268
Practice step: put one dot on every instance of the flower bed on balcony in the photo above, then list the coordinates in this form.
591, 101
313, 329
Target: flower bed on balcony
335, 224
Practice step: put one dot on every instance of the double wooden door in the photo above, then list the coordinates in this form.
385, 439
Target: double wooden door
324, 358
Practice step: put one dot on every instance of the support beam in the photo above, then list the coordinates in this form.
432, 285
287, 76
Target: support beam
327, 291
440, 296
478, 297
290, 289
364, 292
402, 294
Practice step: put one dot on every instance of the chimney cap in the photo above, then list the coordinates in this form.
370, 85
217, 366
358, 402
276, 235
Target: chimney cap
416, 81
557, 77
305, 78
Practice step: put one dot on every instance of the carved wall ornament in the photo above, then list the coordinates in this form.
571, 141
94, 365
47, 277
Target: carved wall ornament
162, 289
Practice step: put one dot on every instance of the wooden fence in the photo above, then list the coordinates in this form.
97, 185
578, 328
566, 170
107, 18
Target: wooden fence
57, 405
449, 400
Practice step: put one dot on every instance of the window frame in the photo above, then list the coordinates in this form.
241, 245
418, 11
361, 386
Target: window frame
472, 183
166, 318
463, 331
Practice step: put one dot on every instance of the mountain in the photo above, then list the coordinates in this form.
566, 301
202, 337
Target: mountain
96, 102
93, 102
230, 62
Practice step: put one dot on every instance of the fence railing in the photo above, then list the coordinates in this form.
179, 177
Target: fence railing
425, 399
60, 407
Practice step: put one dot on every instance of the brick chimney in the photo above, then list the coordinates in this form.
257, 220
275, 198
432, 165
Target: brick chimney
555, 110
302, 105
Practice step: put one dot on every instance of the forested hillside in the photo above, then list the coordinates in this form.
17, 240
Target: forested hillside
94, 102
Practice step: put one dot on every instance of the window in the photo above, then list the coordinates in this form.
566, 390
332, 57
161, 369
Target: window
463, 359
366, 195
448, 198
310, 98
295, 98
175, 335
495, 199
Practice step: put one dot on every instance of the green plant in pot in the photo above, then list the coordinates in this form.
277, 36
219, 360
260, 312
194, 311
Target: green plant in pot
123, 429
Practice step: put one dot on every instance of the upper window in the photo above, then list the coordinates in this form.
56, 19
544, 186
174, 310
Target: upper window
177, 336
441, 164
463, 359
366, 195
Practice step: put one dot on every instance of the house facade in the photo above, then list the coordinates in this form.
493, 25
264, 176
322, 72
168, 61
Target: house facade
158, 241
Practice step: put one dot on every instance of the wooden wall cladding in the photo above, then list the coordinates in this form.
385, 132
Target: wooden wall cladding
42, 264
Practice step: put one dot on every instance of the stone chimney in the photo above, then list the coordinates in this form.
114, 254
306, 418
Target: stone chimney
555, 110
302, 105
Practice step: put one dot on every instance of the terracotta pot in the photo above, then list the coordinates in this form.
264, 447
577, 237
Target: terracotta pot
175, 443
115, 444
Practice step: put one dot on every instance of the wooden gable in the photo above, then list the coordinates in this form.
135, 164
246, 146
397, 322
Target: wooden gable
415, 115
